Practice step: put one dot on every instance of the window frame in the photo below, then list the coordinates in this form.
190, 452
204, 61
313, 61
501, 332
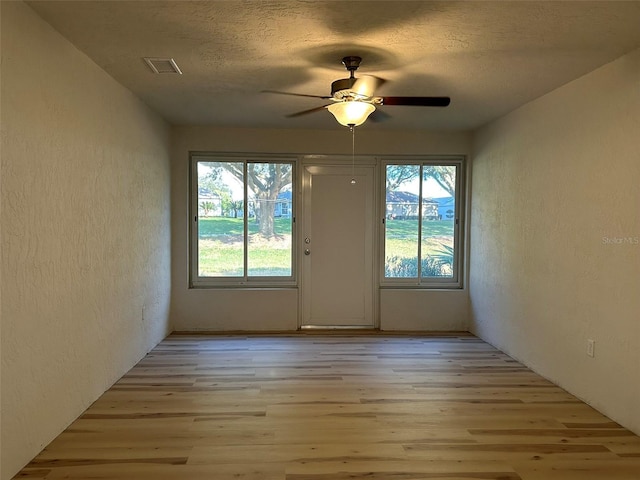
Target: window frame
245, 281
456, 281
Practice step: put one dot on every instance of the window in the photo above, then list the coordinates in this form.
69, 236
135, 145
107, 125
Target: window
422, 205
242, 214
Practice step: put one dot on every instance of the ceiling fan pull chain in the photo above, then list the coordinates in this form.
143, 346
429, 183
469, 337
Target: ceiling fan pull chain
353, 154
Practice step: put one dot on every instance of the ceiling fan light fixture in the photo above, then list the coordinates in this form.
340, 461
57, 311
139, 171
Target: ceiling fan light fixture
351, 113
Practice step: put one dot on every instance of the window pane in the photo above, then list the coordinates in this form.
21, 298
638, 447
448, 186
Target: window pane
401, 225
270, 221
220, 219
438, 220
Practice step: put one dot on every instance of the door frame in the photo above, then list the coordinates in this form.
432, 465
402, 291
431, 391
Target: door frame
360, 161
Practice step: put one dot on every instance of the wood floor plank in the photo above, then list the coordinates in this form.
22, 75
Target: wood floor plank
327, 406
594, 469
415, 470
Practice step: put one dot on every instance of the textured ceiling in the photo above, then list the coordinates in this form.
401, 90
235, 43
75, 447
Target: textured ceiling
489, 57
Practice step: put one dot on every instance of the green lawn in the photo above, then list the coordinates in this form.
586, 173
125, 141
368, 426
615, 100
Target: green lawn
217, 226
402, 237
226, 259
408, 228
221, 248
221, 245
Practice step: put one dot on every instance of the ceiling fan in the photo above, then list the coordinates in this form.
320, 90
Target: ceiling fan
353, 99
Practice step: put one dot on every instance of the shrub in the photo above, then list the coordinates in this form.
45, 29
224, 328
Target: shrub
406, 267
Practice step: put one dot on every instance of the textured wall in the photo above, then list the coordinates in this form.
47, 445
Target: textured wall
85, 233
223, 309
555, 228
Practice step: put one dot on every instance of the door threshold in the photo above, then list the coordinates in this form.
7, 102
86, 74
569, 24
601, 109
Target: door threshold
338, 329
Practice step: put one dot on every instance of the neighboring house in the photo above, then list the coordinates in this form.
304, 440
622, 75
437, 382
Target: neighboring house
402, 205
446, 207
283, 205
405, 206
430, 210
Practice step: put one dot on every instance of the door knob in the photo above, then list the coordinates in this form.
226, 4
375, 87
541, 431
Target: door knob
307, 251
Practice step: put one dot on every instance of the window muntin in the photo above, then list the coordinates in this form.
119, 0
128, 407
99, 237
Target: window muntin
422, 223
243, 229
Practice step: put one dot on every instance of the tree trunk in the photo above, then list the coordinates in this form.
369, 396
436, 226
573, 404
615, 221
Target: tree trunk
266, 219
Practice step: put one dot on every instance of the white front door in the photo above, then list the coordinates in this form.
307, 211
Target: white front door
337, 247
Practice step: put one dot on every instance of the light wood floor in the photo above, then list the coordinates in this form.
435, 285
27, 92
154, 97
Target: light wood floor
331, 407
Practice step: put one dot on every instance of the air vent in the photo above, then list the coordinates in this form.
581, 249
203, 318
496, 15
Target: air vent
163, 65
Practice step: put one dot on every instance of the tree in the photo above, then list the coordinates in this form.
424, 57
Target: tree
265, 180
399, 174
226, 202
208, 177
209, 180
236, 206
207, 207
445, 175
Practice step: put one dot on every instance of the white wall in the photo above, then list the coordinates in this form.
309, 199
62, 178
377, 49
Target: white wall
234, 309
85, 233
554, 183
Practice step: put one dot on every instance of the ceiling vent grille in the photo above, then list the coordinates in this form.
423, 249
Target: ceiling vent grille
162, 65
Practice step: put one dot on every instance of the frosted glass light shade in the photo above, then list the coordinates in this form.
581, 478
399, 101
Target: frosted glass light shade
351, 112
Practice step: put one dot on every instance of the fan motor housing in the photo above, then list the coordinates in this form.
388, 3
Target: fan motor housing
342, 88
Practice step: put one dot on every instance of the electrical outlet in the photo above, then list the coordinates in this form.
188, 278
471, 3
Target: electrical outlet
591, 347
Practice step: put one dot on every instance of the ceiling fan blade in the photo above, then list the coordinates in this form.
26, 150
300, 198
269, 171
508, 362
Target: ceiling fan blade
295, 94
305, 112
367, 85
417, 101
